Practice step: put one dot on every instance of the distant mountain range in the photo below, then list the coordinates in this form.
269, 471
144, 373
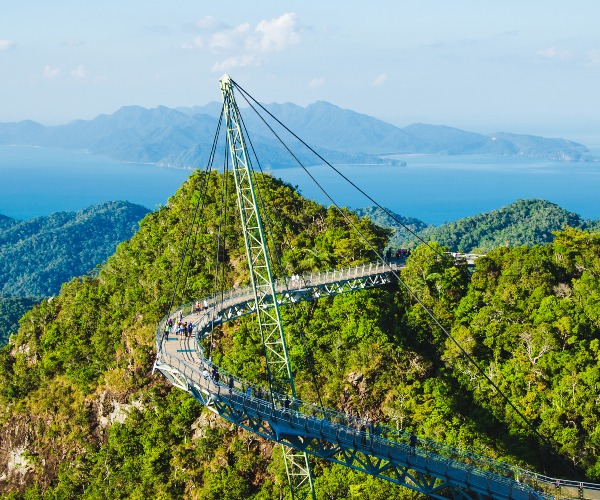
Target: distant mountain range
183, 137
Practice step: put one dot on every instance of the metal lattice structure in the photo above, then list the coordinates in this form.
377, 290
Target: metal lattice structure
263, 287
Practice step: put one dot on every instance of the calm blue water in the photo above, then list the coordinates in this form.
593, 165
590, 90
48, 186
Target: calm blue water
439, 189
435, 189
40, 181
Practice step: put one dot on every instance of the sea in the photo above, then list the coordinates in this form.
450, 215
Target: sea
434, 188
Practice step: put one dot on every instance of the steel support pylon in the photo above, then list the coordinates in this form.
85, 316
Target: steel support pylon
266, 307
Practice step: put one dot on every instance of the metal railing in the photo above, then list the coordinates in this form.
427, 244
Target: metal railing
344, 423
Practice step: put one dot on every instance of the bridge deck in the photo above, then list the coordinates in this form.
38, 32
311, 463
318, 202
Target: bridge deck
328, 434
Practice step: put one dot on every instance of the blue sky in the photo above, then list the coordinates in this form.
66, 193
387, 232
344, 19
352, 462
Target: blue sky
527, 66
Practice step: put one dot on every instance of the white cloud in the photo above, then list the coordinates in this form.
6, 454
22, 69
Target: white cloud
278, 34
246, 46
81, 73
50, 73
196, 43
316, 83
6, 44
209, 23
593, 56
231, 39
235, 62
379, 80
554, 53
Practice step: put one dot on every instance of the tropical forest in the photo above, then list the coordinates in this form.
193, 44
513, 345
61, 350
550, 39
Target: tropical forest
513, 375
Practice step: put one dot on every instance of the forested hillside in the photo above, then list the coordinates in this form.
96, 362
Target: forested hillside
11, 310
38, 255
81, 415
524, 222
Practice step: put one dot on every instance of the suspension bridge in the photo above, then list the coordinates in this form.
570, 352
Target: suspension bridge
304, 428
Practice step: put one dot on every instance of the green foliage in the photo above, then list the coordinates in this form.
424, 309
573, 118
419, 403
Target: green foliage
37, 256
524, 222
11, 311
76, 389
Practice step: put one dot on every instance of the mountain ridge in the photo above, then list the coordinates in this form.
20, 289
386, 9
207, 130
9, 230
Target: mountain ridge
38, 255
182, 137
524, 222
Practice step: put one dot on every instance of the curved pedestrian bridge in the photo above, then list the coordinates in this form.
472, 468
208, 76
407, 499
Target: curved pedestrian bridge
429, 467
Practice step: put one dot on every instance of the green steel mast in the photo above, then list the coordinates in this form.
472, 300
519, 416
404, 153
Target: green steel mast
267, 309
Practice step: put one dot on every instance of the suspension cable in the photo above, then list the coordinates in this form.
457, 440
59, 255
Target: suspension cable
196, 211
390, 214
221, 268
270, 225
405, 285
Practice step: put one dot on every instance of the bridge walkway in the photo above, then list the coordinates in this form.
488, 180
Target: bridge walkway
431, 468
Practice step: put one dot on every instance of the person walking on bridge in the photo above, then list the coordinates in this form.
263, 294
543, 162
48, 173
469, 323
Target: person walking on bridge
412, 441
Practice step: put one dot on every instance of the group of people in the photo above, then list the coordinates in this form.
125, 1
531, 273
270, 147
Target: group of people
399, 254
179, 327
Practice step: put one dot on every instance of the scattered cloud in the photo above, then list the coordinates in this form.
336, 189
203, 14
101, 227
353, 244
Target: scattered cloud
593, 56
555, 54
231, 39
50, 72
278, 34
196, 43
73, 43
235, 62
244, 45
81, 73
379, 80
209, 23
6, 45
316, 83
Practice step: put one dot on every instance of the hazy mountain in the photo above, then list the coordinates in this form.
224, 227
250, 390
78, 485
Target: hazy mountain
183, 137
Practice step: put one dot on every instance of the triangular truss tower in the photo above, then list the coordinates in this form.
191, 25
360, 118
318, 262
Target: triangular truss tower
279, 370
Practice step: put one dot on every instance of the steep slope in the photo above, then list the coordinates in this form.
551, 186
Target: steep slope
37, 256
11, 311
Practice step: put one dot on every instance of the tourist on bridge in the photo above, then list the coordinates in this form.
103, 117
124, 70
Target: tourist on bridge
231, 383
412, 441
205, 373
190, 327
